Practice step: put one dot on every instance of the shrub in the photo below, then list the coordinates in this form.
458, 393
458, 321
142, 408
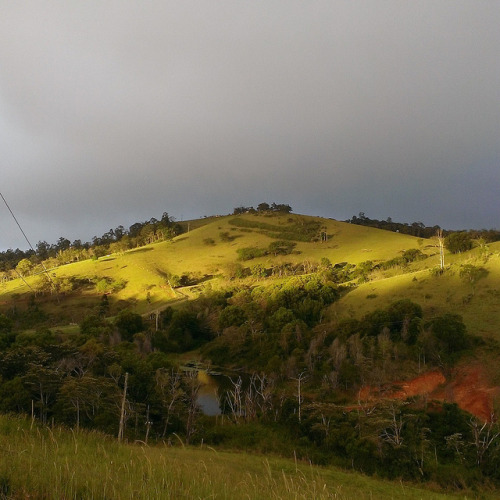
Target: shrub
225, 236
281, 247
258, 271
412, 255
249, 253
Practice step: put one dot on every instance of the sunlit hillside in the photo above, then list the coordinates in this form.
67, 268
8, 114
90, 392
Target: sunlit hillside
141, 278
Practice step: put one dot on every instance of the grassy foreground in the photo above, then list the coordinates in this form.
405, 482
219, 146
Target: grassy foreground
38, 462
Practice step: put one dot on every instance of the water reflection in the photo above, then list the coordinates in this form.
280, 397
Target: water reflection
213, 388
208, 398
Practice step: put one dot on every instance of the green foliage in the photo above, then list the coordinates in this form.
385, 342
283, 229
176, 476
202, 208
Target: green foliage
209, 242
297, 230
24, 267
236, 270
458, 242
281, 247
412, 255
6, 334
104, 306
249, 253
405, 320
183, 331
225, 236
448, 337
95, 326
472, 274
362, 271
232, 316
277, 321
108, 285
258, 271
129, 323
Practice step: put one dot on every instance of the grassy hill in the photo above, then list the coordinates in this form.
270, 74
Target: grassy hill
141, 278
53, 463
148, 268
275, 294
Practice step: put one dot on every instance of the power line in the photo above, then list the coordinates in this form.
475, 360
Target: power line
30, 245
17, 222
22, 277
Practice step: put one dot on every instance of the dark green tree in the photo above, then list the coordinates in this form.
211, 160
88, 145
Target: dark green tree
128, 324
458, 242
6, 335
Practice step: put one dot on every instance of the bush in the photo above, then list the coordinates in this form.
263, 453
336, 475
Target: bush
249, 253
258, 271
412, 255
225, 236
281, 247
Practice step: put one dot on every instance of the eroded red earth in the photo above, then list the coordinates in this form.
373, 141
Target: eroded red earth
468, 387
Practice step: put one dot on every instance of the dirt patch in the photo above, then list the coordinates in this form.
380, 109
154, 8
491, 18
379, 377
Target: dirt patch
468, 387
425, 384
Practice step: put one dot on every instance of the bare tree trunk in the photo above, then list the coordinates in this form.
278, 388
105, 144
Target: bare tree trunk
299, 393
122, 413
440, 239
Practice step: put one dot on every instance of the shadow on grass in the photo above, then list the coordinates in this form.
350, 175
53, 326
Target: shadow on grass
141, 250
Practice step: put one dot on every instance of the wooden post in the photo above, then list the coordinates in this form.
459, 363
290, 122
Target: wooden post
122, 413
148, 426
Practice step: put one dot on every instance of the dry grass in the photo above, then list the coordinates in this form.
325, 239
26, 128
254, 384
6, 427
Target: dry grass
59, 464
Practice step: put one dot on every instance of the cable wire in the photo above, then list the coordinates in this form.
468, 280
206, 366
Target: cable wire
31, 246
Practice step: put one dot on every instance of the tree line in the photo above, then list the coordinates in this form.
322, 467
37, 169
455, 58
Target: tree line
420, 230
115, 240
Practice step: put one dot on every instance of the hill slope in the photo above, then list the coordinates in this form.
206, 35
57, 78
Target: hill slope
141, 278
48, 463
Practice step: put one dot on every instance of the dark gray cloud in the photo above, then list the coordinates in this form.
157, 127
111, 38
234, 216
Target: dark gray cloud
113, 112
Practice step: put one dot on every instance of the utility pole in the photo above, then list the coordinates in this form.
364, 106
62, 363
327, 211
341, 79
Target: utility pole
122, 413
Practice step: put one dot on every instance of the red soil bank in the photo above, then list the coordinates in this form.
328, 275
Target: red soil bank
468, 388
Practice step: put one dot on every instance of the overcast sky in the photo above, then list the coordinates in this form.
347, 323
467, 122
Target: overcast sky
114, 112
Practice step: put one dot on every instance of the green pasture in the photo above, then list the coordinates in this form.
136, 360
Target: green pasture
477, 303
210, 249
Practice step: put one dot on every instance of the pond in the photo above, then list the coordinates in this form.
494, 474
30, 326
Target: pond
212, 389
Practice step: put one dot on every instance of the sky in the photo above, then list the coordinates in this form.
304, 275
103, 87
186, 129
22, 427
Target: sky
114, 112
